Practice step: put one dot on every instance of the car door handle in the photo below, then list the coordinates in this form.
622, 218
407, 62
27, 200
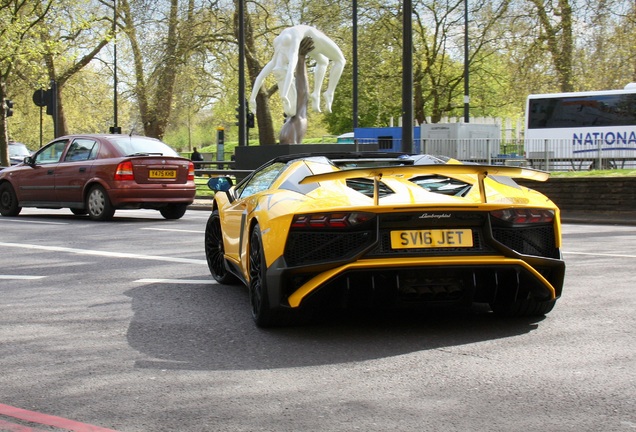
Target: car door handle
82, 169
50, 172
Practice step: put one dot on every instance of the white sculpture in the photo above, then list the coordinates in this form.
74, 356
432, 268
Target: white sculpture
295, 127
285, 59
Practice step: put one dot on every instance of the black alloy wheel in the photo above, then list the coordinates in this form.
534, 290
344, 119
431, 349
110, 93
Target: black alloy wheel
259, 300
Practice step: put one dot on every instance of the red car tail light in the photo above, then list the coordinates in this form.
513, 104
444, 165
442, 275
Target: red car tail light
524, 215
124, 171
331, 220
191, 172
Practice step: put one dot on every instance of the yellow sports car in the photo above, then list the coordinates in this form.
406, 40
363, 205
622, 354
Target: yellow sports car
385, 229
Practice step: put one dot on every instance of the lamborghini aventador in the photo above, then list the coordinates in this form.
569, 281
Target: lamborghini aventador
385, 229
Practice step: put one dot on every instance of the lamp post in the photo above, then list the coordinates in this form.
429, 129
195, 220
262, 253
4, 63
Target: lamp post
407, 78
466, 61
115, 128
242, 108
354, 56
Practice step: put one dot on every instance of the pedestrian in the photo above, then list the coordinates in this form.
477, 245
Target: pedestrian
196, 157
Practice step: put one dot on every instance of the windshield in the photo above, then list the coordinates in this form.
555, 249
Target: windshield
16, 150
142, 146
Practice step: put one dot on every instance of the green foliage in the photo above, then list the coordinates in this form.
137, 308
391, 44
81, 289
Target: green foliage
509, 58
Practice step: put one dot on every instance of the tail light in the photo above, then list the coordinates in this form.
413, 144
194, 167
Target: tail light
524, 215
331, 220
191, 172
124, 171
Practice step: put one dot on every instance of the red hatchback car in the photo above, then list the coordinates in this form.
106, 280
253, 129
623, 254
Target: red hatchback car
98, 174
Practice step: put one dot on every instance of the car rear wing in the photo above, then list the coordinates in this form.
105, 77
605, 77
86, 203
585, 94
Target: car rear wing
481, 171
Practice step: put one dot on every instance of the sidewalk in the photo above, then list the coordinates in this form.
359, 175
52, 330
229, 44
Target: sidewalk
574, 217
598, 218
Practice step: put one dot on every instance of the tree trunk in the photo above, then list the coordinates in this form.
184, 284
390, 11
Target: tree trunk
4, 133
266, 134
155, 114
59, 123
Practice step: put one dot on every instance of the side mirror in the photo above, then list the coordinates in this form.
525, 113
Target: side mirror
220, 184
29, 160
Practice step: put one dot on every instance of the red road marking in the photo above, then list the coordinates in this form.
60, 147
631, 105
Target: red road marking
49, 420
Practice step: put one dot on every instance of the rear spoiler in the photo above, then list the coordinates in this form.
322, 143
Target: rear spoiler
481, 171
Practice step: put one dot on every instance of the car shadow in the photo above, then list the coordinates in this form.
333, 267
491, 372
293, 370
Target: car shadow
209, 327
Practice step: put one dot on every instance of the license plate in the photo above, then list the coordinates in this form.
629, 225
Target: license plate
437, 238
159, 174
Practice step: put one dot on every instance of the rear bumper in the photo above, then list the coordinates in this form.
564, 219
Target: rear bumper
433, 279
154, 196
502, 259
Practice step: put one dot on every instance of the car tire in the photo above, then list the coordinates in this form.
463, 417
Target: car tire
98, 204
78, 211
9, 205
173, 211
215, 251
262, 313
526, 307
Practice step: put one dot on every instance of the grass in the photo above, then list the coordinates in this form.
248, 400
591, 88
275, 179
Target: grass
202, 187
595, 173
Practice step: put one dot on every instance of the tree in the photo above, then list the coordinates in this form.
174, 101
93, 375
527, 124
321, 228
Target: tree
84, 34
158, 62
154, 97
266, 134
18, 48
605, 57
555, 21
438, 74
178, 58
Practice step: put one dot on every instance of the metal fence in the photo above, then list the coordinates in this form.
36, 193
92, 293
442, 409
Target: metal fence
549, 155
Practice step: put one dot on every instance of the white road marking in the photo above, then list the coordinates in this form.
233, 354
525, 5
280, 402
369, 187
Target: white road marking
105, 254
600, 254
174, 230
10, 277
30, 221
177, 281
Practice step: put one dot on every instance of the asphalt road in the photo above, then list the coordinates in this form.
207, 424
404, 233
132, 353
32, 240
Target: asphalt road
119, 326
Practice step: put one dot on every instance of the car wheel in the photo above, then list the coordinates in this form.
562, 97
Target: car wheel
98, 205
259, 296
522, 308
8, 201
78, 211
173, 211
214, 251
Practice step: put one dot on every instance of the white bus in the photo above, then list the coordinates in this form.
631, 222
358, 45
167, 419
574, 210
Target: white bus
597, 126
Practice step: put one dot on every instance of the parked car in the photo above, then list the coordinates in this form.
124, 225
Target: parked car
99, 174
17, 152
379, 230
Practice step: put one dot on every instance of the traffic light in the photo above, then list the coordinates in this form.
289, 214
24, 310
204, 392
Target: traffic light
238, 116
8, 107
249, 116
